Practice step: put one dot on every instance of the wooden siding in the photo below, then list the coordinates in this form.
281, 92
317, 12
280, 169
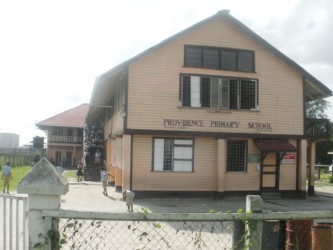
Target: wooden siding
205, 168
240, 181
202, 179
153, 91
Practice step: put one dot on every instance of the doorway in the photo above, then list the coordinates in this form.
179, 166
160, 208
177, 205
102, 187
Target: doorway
270, 172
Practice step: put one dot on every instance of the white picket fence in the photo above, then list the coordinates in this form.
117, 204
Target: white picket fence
14, 226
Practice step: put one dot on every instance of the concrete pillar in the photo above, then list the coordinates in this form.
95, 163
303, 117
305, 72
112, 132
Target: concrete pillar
302, 176
254, 203
126, 176
44, 187
220, 165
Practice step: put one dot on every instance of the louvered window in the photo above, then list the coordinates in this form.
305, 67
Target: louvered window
218, 92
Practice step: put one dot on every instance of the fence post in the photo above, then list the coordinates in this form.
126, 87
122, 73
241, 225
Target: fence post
254, 203
44, 187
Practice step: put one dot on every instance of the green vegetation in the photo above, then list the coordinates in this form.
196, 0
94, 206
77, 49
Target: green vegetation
326, 179
70, 175
17, 173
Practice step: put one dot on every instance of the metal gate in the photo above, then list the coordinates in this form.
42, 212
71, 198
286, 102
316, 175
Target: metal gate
14, 226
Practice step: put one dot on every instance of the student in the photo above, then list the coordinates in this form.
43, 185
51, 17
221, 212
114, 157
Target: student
79, 172
60, 169
128, 196
6, 175
104, 179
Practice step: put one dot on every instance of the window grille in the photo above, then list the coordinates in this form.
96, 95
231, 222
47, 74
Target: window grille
218, 92
248, 92
236, 156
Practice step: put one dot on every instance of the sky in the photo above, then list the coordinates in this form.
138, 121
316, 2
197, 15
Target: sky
51, 51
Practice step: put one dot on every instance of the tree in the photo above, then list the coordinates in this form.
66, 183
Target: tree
318, 109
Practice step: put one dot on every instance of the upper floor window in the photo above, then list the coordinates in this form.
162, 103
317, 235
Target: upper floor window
57, 131
173, 155
219, 58
218, 92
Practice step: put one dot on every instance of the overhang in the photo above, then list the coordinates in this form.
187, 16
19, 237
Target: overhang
275, 145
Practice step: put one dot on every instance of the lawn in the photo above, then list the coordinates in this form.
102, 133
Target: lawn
19, 172
326, 179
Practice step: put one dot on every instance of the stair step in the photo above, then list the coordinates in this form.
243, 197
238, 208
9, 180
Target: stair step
270, 195
92, 173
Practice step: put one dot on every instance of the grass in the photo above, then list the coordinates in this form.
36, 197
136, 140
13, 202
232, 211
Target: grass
325, 179
70, 175
18, 174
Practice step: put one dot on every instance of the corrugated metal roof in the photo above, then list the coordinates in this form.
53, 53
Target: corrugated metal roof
73, 118
275, 145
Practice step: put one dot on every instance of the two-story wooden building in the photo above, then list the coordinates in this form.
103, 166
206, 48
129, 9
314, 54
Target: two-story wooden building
64, 133
214, 109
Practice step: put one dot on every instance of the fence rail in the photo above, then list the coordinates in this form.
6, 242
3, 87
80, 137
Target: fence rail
273, 230
14, 215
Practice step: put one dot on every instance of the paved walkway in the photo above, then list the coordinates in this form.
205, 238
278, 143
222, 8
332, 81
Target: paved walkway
87, 196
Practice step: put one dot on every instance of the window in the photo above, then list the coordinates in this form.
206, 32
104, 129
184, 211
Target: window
57, 131
218, 92
219, 58
173, 155
236, 156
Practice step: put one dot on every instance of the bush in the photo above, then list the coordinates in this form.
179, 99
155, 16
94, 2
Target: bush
331, 179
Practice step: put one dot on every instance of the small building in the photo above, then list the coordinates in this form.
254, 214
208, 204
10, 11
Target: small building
64, 133
9, 140
213, 110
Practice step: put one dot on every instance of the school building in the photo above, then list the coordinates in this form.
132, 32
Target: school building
213, 110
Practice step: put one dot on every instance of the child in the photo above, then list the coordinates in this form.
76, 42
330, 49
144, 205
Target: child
79, 172
104, 179
128, 196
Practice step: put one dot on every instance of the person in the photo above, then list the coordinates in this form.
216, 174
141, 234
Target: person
98, 156
104, 179
128, 196
6, 175
60, 169
79, 172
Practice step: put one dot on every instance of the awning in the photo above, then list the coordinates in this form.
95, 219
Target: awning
274, 145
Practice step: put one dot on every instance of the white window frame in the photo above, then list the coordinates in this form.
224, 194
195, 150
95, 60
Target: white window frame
219, 92
182, 155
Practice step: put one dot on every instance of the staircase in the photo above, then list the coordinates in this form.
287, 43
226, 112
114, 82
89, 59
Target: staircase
92, 173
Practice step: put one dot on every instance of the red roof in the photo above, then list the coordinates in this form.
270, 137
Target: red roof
275, 145
74, 118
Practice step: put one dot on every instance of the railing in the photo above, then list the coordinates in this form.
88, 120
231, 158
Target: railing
14, 229
273, 230
317, 128
65, 139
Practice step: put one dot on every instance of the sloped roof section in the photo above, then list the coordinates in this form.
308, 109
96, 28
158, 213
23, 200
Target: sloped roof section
272, 145
72, 118
314, 89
